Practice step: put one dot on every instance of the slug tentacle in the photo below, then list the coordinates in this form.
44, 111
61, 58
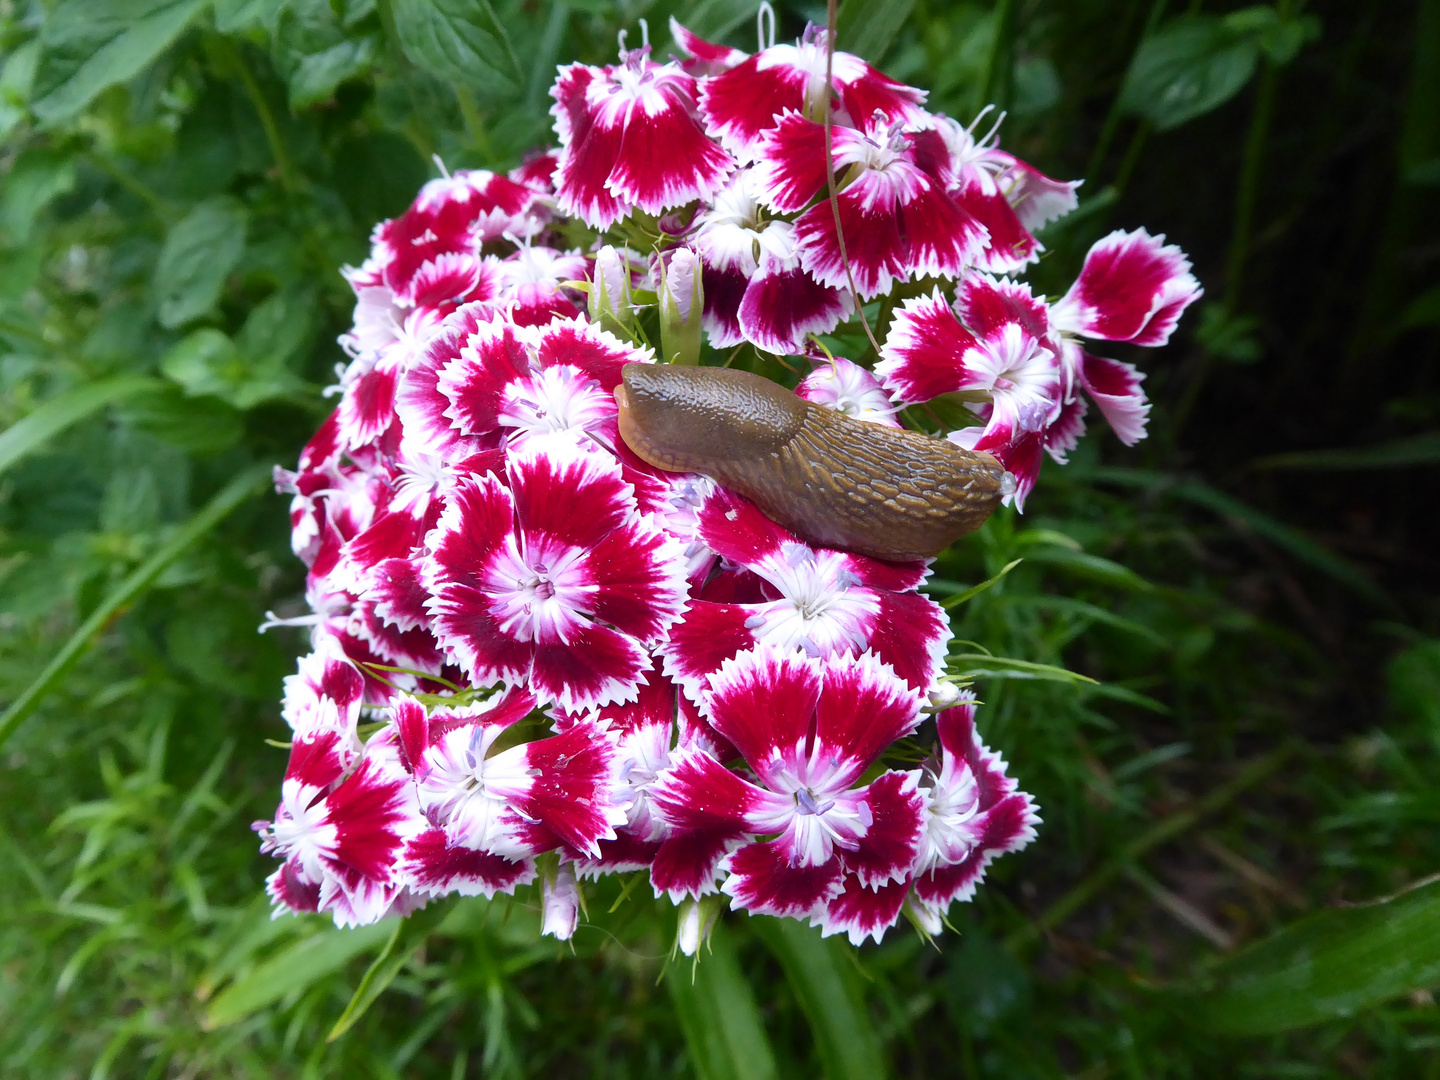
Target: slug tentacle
832, 480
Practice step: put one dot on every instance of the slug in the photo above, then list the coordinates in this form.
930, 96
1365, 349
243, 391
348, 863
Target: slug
833, 481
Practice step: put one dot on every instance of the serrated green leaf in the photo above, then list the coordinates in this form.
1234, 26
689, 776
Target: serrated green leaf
1329, 965
868, 28
87, 46
409, 935
1190, 66
718, 1014
200, 251
297, 967
462, 41
825, 983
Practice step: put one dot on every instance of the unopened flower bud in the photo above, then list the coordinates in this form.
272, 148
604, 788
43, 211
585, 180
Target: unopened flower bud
697, 920
561, 897
610, 301
943, 696
682, 299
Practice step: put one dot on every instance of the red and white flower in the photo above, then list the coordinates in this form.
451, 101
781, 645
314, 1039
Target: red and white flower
743, 103
551, 578
755, 287
630, 137
507, 384
538, 796
785, 593
807, 729
339, 828
848, 388
897, 219
974, 813
993, 344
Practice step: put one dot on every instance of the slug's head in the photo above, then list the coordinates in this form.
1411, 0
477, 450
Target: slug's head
688, 419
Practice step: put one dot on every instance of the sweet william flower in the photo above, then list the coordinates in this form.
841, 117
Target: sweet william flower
846, 387
786, 593
742, 104
339, 827
518, 802
507, 384
755, 287
630, 137
807, 729
974, 813
551, 578
897, 218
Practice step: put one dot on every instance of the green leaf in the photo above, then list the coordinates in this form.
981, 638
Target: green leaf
31, 432
206, 362
37, 177
1292, 540
410, 933
293, 970
239, 16
1329, 965
201, 250
1421, 449
1414, 681
869, 27
16, 75
1190, 66
718, 1014
87, 46
462, 41
969, 665
198, 426
824, 980
316, 54
976, 590
245, 485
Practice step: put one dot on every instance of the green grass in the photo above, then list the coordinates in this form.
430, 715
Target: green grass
1260, 742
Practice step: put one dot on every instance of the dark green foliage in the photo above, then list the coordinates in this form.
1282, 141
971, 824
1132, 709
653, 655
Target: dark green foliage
1214, 657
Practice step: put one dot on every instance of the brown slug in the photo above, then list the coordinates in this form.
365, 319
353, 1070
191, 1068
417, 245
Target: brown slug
832, 480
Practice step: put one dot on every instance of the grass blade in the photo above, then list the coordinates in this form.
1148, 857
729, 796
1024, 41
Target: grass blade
1417, 450
31, 432
1299, 545
976, 590
298, 967
969, 665
824, 981
718, 1015
141, 578
1327, 965
410, 933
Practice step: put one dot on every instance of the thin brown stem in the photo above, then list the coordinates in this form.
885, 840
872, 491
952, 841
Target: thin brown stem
831, 9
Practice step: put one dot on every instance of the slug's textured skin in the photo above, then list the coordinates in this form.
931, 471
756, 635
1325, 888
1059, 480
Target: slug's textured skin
833, 481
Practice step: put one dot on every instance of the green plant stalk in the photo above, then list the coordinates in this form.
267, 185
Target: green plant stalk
232, 495
1249, 189
1000, 65
262, 110
1161, 832
1113, 117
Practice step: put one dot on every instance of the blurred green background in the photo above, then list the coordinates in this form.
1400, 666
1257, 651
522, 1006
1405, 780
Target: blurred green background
1253, 589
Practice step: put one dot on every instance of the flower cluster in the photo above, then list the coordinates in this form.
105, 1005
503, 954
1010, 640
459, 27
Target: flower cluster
571, 664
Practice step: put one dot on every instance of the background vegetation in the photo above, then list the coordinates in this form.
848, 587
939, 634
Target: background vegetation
1254, 588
